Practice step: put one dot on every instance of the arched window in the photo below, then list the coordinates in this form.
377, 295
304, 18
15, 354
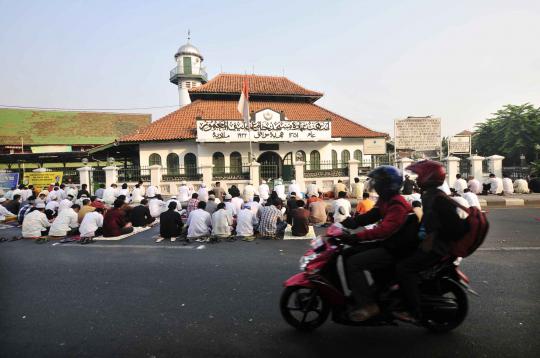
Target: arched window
236, 163
155, 159
301, 156
345, 157
218, 159
315, 160
358, 155
190, 164
334, 159
173, 164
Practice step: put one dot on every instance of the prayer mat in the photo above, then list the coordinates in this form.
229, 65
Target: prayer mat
289, 236
136, 230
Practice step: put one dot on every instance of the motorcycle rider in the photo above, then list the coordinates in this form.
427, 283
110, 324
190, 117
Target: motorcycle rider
440, 225
391, 211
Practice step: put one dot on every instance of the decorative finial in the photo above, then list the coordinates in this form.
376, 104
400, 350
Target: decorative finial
188, 35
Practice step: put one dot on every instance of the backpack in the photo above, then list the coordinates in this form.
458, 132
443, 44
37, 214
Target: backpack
475, 236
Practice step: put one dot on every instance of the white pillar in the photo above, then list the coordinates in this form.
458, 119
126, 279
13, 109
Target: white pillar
155, 175
183, 95
452, 168
476, 166
495, 165
254, 173
353, 170
111, 175
404, 163
299, 174
84, 176
206, 171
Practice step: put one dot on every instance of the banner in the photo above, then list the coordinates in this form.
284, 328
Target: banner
9, 180
271, 131
41, 179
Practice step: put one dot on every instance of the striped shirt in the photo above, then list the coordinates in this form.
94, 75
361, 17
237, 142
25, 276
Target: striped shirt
269, 218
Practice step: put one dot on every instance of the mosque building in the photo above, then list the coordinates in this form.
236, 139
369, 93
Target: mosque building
286, 125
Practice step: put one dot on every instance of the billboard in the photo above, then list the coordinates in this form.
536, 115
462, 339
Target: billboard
9, 180
420, 134
41, 179
459, 145
375, 146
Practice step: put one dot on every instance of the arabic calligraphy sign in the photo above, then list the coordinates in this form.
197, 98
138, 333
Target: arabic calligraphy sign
275, 131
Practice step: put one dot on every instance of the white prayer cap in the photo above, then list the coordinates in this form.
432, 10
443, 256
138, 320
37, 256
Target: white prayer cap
263, 182
183, 182
173, 197
2, 200
203, 185
293, 181
40, 206
228, 197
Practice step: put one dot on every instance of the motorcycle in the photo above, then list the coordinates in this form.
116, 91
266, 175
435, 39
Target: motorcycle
321, 289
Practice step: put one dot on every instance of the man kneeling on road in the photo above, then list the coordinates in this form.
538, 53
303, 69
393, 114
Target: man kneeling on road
170, 223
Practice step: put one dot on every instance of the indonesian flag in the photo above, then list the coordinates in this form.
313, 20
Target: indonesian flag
243, 104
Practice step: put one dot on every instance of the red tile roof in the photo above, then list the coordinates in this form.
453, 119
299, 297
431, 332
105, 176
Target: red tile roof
180, 124
258, 85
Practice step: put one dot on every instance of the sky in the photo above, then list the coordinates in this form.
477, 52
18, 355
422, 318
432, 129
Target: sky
375, 61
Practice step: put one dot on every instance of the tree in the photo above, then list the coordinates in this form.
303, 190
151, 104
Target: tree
512, 131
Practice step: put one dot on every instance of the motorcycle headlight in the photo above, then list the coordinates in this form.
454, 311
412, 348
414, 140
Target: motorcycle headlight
305, 260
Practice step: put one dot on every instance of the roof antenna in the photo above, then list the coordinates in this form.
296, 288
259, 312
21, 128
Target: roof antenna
283, 71
221, 68
188, 35
253, 69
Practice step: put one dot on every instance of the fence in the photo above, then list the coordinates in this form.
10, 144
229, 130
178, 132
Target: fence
181, 173
321, 169
237, 172
133, 174
516, 172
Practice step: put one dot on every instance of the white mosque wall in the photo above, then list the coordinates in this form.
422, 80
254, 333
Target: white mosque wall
164, 149
205, 151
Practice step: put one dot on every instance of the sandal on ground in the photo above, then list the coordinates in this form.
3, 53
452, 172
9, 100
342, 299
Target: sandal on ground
405, 316
364, 313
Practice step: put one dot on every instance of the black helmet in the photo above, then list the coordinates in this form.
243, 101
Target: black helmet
386, 180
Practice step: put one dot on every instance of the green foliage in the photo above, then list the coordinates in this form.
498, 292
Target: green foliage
535, 168
514, 130
444, 146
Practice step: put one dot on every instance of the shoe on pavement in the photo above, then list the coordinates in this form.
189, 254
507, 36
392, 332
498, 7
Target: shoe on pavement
160, 239
405, 316
364, 313
173, 239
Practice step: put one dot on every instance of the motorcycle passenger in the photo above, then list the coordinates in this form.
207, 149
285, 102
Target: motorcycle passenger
391, 213
440, 225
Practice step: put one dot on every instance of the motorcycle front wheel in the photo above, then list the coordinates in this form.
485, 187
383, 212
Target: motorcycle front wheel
303, 307
450, 310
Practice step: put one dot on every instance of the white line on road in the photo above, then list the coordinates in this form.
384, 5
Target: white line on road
135, 246
510, 248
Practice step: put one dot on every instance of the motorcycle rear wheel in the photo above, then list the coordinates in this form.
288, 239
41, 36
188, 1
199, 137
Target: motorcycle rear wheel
449, 318
303, 307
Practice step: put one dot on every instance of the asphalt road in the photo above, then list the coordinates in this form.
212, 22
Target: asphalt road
135, 298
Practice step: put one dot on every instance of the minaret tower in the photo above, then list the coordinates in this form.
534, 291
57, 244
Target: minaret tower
188, 72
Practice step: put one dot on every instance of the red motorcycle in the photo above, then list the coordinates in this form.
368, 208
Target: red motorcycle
321, 289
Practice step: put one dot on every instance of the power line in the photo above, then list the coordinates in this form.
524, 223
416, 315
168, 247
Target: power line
85, 109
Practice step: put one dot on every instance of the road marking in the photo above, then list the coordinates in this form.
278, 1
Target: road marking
136, 246
510, 248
